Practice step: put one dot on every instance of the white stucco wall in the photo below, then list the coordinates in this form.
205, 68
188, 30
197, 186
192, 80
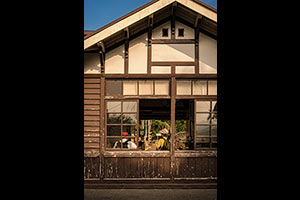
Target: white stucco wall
157, 32
137, 59
188, 31
207, 54
92, 63
114, 61
173, 52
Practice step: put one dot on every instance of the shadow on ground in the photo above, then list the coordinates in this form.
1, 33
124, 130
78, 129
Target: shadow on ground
150, 194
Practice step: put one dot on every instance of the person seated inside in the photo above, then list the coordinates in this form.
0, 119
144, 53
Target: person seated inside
163, 140
131, 144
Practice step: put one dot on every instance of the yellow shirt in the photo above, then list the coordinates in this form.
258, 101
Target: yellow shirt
161, 142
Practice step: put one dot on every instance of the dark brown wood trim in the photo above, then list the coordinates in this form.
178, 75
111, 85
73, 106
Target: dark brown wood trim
173, 19
126, 46
173, 110
173, 41
149, 48
102, 127
196, 31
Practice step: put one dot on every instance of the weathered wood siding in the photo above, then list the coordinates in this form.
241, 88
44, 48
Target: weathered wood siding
91, 167
91, 116
137, 167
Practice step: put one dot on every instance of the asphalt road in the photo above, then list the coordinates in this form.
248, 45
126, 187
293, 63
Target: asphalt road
150, 194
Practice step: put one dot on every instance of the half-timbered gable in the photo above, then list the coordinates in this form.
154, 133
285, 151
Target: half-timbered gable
157, 64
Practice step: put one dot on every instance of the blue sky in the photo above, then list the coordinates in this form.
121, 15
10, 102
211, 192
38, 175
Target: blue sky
98, 13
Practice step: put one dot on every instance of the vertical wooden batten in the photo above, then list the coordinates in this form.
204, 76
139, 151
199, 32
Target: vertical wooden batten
173, 19
149, 48
126, 38
197, 30
173, 127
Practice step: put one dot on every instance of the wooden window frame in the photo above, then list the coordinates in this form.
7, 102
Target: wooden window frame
210, 124
121, 124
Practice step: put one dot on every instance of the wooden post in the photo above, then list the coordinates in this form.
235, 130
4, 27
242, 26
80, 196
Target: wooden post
126, 35
173, 128
196, 30
149, 53
173, 20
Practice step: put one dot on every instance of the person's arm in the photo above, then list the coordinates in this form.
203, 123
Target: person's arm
158, 144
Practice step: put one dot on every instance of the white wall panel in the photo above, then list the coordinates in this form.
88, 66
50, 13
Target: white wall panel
207, 54
114, 61
173, 52
92, 63
137, 59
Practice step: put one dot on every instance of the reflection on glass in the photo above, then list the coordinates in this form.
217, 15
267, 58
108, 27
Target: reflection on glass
183, 88
113, 143
113, 130
214, 130
202, 142
202, 130
114, 106
212, 87
113, 118
200, 87
113, 87
129, 118
145, 87
129, 106
203, 106
203, 118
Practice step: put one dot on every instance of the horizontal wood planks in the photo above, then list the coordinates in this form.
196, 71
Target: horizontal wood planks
91, 120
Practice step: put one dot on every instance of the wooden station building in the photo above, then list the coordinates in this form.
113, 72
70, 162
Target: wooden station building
156, 62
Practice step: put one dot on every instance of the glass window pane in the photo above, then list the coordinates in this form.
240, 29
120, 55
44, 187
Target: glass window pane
214, 106
203, 106
214, 118
129, 87
145, 87
202, 142
131, 130
185, 69
113, 118
183, 88
214, 130
202, 118
113, 130
200, 87
129, 119
114, 106
113, 87
212, 87
129, 106
202, 130
162, 87
113, 143
161, 69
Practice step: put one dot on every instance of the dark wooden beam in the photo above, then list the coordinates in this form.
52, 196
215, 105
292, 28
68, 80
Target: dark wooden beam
101, 48
196, 31
126, 41
149, 53
173, 41
173, 19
